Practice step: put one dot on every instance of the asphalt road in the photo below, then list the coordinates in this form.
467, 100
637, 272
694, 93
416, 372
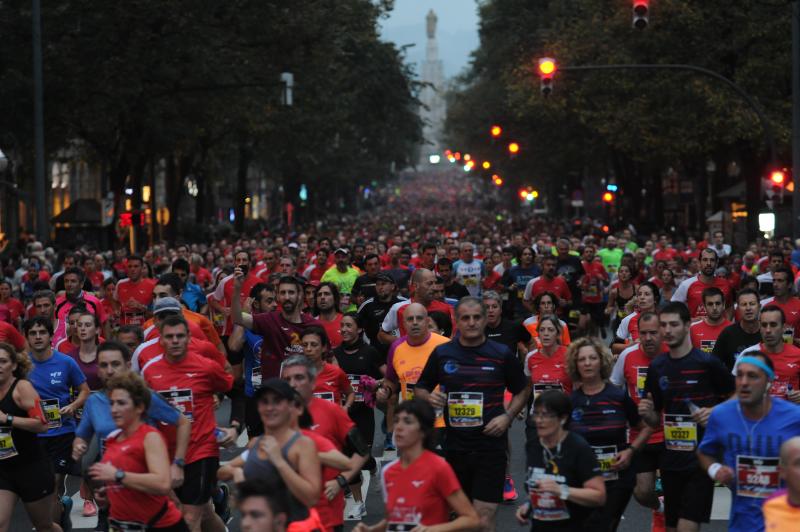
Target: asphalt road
636, 518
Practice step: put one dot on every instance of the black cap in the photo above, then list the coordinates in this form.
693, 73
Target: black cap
383, 276
277, 386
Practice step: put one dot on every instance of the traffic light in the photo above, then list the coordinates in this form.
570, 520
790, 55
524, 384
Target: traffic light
608, 197
547, 69
778, 178
641, 12
777, 182
513, 148
497, 180
486, 165
496, 131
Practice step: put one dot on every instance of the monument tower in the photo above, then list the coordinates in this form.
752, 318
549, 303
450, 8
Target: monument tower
432, 95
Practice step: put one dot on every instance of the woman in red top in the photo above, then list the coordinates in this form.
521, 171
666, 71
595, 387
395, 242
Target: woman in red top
332, 382
135, 468
15, 307
420, 488
547, 365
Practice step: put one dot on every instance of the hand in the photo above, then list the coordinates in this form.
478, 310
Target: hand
332, 488
646, 406
548, 485
135, 305
701, 416
103, 472
68, 410
238, 277
176, 474
269, 446
231, 435
382, 393
522, 513
498, 425
100, 497
622, 460
79, 448
724, 476
793, 396
247, 306
437, 399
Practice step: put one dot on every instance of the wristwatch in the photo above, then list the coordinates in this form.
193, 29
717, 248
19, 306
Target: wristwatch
9, 419
180, 462
564, 492
118, 476
341, 481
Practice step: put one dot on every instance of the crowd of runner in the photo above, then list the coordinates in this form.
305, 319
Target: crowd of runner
644, 366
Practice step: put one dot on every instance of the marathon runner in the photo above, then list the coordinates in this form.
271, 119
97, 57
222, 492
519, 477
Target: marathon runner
745, 333
691, 290
706, 331
135, 293
786, 301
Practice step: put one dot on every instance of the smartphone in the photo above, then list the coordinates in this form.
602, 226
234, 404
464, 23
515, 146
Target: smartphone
244, 269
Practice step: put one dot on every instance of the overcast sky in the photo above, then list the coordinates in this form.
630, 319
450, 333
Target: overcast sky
456, 30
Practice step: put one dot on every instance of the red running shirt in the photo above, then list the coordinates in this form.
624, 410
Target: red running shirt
548, 372
332, 384
690, 292
129, 504
418, 494
635, 364
127, 291
189, 385
704, 336
791, 311
153, 348
330, 512
787, 368
330, 420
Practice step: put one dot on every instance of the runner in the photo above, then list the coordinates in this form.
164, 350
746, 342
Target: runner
74, 296
55, 376
786, 301
647, 299
592, 283
373, 311
704, 333
26, 472
604, 414
422, 282
516, 280
326, 302
135, 293
453, 289
188, 382
475, 372
546, 366
744, 333
683, 386
691, 290
784, 357
343, 275
134, 471
548, 282
332, 382
231, 287
747, 432
563, 478
469, 271
620, 292
782, 510
546, 305
364, 288
512, 334
419, 487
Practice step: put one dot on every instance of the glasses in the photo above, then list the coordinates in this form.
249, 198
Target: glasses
543, 415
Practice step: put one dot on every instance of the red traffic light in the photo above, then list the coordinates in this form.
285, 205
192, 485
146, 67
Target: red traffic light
608, 197
513, 148
778, 177
496, 131
641, 12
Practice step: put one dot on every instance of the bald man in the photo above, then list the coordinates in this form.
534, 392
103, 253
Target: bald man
782, 511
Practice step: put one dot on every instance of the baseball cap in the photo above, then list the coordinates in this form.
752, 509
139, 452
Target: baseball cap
383, 276
167, 304
341, 250
279, 387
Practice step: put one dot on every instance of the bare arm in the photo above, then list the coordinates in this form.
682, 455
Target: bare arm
237, 316
26, 397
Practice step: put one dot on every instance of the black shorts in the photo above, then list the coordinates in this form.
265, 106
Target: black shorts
687, 495
648, 459
595, 310
59, 449
480, 473
31, 481
199, 481
252, 419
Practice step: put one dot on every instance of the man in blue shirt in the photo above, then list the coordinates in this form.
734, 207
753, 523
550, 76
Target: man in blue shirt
192, 295
62, 387
747, 432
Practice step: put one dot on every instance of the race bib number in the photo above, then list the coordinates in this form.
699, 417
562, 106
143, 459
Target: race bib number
465, 409
255, 377
605, 456
756, 476
780, 388
641, 379
133, 318
546, 506
355, 384
52, 413
680, 433
181, 399
403, 519
707, 346
7, 449
326, 396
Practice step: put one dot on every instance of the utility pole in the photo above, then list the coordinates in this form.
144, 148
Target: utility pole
38, 126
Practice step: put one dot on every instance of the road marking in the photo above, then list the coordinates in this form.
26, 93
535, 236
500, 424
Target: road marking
721, 510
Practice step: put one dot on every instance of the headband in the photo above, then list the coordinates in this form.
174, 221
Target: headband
757, 362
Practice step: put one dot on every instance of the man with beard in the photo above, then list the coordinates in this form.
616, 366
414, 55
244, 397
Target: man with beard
372, 312
682, 387
746, 432
745, 332
570, 268
281, 329
690, 291
364, 287
705, 332
785, 300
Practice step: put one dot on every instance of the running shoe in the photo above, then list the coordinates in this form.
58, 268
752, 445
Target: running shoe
221, 502
509, 492
66, 519
89, 508
357, 512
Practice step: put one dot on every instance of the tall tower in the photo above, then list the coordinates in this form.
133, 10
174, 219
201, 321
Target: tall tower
432, 95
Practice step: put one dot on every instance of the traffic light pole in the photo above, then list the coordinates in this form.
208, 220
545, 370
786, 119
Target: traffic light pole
753, 187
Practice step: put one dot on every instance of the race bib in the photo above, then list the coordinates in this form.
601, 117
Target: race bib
780, 388
621, 313
52, 414
680, 433
641, 379
133, 318
403, 519
605, 456
408, 391
756, 476
326, 396
355, 384
255, 377
788, 335
181, 399
546, 506
7, 448
707, 346
591, 291
541, 387
465, 409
